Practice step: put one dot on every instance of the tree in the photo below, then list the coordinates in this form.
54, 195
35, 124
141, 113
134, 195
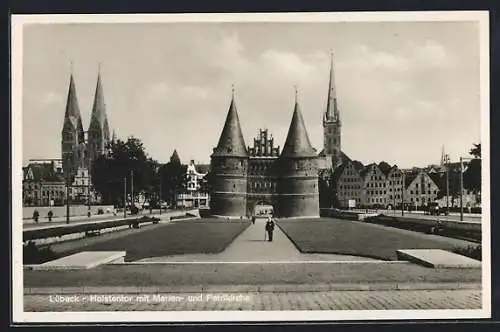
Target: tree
326, 189
125, 159
472, 175
173, 176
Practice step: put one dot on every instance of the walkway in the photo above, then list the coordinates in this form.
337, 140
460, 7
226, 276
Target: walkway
331, 300
251, 246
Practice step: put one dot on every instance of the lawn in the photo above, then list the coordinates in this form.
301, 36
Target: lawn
180, 237
327, 235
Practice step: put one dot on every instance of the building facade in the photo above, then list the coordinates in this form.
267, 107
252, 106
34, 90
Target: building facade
420, 189
43, 184
349, 185
243, 178
194, 196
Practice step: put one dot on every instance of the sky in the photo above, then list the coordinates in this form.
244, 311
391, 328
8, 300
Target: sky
404, 89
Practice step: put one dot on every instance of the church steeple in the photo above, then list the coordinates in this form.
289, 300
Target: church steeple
72, 113
332, 111
99, 134
73, 136
231, 142
297, 142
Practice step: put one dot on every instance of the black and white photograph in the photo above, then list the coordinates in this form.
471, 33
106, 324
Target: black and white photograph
250, 167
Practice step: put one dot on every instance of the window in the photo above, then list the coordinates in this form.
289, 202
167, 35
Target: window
416, 192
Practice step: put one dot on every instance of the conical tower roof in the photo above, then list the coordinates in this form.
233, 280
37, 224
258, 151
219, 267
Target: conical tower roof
297, 144
99, 106
72, 112
174, 158
231, 142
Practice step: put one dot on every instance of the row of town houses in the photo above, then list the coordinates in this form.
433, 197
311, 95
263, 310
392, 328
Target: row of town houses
384, 186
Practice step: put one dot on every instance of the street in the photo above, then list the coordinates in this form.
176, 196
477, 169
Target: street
468, 217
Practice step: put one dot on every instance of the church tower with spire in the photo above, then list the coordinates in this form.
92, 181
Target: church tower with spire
331, 124
229, 168
298, 194
98, 132
73, 136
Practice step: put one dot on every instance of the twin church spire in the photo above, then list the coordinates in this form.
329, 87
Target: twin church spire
76, 150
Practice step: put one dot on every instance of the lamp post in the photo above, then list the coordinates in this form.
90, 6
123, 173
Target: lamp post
125, 197
461, 189
462, 186
403, 187
447, 168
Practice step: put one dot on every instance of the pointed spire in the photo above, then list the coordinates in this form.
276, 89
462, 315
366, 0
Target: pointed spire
332, 112
99, 117
113, 139
72, 112
231, 142
297, 142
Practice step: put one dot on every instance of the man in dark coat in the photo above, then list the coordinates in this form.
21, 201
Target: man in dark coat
270, 229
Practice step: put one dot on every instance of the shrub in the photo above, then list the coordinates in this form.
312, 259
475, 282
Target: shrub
471, 251
100, 211
35, 255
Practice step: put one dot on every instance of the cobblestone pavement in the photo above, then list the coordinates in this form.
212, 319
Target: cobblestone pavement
331, 300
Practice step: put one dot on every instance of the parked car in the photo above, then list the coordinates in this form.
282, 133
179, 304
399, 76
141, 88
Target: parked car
433, 208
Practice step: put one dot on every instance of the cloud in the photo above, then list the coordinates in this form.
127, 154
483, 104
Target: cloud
433, 54
52, 98
194, 92
287, 64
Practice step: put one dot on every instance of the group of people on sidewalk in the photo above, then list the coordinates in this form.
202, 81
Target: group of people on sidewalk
269, 228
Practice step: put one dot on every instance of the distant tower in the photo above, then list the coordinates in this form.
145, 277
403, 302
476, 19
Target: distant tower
298, 181
229, 168
331, 123
98, 133
443, 157
73, 136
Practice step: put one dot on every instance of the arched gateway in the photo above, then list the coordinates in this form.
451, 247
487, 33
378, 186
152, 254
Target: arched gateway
244, 177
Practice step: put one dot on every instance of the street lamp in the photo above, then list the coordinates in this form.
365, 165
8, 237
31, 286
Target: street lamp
403, 187
447, 168
462, 186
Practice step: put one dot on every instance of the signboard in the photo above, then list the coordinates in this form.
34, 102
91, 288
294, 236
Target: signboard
352, 203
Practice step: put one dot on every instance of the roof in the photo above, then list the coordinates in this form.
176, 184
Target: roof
231, 142
297, 144
338, 171
99, 118
438, 179
73, 110
384, 167
203, 168
409, 177
365, 169
358, 165
43, 172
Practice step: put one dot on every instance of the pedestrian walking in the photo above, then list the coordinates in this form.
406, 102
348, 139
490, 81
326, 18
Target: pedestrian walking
253, 220
270, 229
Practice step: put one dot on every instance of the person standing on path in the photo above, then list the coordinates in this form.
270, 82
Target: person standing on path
270, 229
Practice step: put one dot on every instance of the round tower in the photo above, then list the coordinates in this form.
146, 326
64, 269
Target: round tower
229, 166
298, 183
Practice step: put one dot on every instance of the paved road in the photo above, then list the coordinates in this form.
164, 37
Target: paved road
474, 218
331, 300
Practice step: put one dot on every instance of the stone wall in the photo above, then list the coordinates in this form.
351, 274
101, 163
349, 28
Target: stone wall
229, 186
298, 188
